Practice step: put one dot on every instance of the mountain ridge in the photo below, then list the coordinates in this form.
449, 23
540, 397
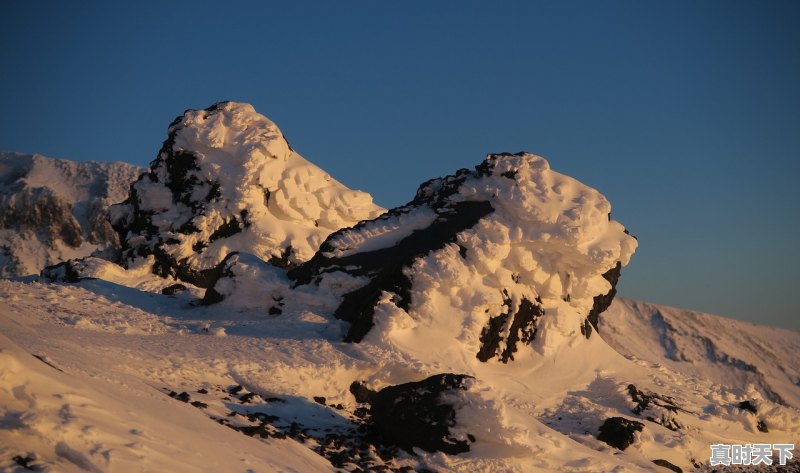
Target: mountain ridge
54, 209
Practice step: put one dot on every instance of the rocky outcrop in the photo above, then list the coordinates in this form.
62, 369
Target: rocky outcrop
385, 266
519, 240
417, 414
522, 330
227, 180
601, 302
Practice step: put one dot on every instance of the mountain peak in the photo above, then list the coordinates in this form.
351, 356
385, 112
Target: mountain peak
227, 180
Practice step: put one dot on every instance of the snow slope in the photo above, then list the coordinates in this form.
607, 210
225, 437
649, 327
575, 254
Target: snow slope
54, 209
91, 402
99, 401
730, 353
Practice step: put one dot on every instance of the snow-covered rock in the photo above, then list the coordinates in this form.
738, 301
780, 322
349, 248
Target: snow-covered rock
506, 255
504, 274
419, 414
227, 180
53, 209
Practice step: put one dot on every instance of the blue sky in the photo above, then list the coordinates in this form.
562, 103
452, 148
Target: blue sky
686, 115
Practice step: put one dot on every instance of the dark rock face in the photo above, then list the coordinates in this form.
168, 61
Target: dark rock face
385, 266
66, 271
668, 465
173, 289
522, 330
602, 302
749, 406
41, 210
350, 446
619, 432
415, 415
361, 392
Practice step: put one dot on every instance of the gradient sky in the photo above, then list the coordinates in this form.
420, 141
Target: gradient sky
686, 115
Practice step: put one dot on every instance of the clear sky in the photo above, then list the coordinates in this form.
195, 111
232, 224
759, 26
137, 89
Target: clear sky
685, 114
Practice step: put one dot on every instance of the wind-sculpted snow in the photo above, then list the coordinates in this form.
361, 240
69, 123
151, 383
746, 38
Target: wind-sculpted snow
508, 254
54, 209
227, 180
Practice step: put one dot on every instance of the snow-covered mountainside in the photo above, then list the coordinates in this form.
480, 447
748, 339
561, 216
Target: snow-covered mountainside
99, 377
227, 180
730, 353
53, 209
472, 329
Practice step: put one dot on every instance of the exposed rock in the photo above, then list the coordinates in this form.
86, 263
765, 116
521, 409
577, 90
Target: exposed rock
28, 462
385, 266
361, 392
319, 400
668, 465
602, 301
66, 271
416, 415
522, 329
619, 432
749, 406
173, 289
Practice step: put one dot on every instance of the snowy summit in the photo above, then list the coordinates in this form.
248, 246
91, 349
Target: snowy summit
226, 179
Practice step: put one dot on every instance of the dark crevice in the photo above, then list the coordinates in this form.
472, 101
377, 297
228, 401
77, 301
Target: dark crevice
603, 301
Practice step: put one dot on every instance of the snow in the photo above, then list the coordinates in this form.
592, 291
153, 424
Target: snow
40, 196
382, 232
745, 356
